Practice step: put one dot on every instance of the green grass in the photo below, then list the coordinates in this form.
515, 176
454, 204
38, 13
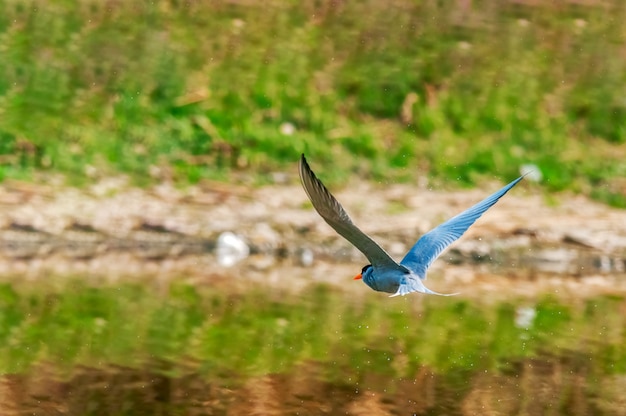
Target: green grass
201, 90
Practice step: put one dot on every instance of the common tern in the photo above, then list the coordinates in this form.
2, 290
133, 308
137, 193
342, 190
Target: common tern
384, 274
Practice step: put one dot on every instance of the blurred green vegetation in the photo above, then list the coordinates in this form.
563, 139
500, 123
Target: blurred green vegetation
260, 332
190, 90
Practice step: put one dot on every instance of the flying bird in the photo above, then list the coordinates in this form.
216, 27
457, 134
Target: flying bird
384, 274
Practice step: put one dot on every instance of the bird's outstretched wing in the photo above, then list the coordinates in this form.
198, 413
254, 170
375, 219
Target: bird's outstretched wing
334, 214
430, 246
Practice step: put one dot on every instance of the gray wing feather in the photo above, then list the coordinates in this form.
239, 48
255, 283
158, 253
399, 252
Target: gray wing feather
333, 213
430, 246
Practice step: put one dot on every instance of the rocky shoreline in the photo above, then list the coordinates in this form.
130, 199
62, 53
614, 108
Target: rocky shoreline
111, 229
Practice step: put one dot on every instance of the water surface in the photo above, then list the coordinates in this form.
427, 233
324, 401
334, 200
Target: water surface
93, 349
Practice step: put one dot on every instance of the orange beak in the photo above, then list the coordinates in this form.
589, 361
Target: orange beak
358, 276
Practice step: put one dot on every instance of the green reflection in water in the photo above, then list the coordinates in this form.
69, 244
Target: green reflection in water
323, 348
261, 332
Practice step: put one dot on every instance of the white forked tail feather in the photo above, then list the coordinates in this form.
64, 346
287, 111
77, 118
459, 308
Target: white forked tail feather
417, 286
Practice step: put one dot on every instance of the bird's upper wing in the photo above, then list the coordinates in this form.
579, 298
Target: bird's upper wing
334, 214
430, 246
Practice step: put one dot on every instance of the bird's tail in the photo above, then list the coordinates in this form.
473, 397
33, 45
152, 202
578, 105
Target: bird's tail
417, 286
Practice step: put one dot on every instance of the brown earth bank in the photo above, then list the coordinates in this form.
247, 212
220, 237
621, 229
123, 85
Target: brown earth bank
109, 230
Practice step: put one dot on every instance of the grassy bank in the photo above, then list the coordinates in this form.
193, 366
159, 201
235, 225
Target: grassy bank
193, 90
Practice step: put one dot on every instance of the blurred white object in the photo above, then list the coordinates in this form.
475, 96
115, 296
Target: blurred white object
287, 129
306, 257
231, 249
525, 316
533, 171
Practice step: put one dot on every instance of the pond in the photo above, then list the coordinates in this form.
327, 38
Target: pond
78, 348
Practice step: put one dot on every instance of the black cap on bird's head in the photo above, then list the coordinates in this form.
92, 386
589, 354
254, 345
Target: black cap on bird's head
363, 270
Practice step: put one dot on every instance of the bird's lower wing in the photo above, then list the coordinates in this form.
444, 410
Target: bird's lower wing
333, 213
430, 246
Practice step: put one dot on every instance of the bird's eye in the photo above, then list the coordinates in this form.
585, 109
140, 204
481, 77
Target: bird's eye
365, 268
